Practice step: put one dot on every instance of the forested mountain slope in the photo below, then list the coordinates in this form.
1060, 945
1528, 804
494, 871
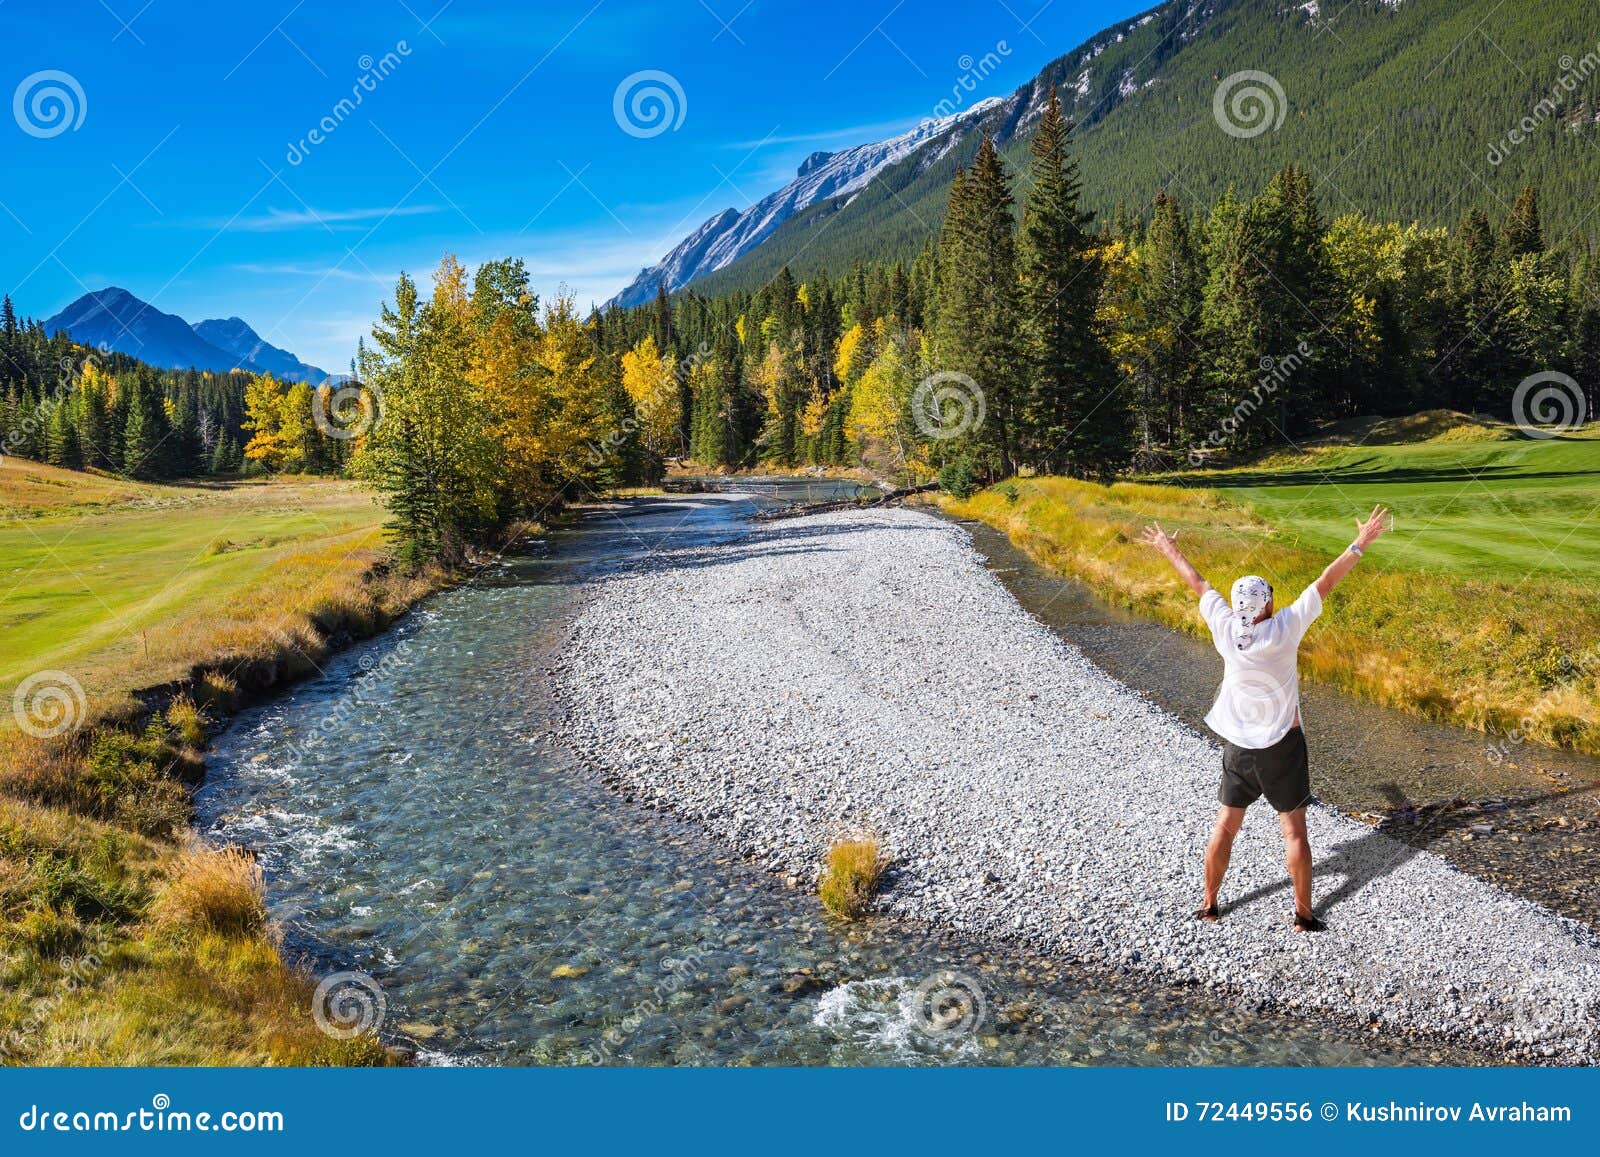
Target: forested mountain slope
1403, 109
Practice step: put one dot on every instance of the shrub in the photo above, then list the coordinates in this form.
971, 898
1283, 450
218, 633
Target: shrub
108, 774
364, 1051
214, 890
851, 873
956, 479
128, 779
187, 721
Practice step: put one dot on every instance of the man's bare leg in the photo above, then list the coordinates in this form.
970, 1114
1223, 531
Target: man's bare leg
1297, 851
1219, 851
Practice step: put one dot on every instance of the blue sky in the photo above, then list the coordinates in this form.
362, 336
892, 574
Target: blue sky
189, 175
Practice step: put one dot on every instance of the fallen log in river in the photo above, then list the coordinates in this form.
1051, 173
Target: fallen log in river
801, 509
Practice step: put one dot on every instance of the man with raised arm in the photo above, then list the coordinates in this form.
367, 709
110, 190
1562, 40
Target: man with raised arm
1257, 711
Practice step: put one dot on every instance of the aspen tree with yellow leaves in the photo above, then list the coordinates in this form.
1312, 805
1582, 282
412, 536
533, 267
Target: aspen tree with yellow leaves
649, 379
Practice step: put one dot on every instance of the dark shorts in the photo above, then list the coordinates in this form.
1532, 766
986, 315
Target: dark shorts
1280, 772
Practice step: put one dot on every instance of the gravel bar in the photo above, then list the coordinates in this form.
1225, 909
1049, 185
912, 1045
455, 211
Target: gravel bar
864, 671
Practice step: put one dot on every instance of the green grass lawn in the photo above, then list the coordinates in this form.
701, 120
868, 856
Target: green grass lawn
1506, 507
117, 583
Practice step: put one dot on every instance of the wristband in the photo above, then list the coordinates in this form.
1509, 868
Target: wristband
1354, 549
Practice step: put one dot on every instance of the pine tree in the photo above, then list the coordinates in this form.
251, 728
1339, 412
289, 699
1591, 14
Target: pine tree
11, 354
141, 437
117, 415
222, 456
1289, 248
978, 315
1234, 319
1073, 416
1474, 362
61, 442
1585, 354
1172, 280
93, 423
1523, 234
663, 319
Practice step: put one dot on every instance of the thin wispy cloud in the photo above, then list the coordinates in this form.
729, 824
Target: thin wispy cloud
282, 220
851, 134
316, 272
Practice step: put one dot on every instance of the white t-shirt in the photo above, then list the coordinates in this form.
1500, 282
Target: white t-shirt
1260, 692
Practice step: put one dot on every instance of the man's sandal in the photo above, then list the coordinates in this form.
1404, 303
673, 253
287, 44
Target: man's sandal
1308, 924
1208, 913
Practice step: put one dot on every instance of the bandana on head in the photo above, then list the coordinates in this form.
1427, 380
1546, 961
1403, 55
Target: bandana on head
1251, 594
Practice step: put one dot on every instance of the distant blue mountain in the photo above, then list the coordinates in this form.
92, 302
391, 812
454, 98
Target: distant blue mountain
233, 336
115, 319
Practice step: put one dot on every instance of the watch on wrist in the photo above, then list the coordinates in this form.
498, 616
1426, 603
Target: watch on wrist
1355, 550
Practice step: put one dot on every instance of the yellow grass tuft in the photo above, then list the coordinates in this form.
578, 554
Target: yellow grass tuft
218, 692
216, 890
851, 873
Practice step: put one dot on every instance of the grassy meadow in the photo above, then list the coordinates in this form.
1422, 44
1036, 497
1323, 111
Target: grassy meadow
126, 585
121, 940
1478, 609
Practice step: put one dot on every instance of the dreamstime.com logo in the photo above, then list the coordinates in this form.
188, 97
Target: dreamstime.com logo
648, 103
949, 1004
1548, 404
48, 103
947, 404
49, 703
347, 1004
347, 411
160, 1117
1248, 103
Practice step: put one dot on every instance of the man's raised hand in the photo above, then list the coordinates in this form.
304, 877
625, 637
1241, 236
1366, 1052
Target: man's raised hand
1374, 527
1154, 536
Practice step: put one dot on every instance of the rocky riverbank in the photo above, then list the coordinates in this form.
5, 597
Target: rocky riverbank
863, 670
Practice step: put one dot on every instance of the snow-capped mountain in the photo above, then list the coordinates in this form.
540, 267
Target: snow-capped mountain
730, 234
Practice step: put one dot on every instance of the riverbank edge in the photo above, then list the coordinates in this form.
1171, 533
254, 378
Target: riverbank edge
1529, 722
248, 975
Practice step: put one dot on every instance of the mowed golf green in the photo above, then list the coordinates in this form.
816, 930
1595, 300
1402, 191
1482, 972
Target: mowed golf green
118, 583
1478, 502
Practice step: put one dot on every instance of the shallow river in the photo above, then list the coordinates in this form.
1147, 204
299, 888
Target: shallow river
419, 821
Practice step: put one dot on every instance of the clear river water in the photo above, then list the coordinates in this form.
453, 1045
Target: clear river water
419, 820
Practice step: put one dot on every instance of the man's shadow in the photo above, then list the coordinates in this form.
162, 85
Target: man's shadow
1382, 850
1357, 863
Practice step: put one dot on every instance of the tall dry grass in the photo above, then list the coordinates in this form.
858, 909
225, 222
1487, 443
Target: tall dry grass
214, 890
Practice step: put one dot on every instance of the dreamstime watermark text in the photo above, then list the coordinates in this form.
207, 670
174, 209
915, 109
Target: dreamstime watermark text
1275, 373
1574, 75
373, 73
973, 74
